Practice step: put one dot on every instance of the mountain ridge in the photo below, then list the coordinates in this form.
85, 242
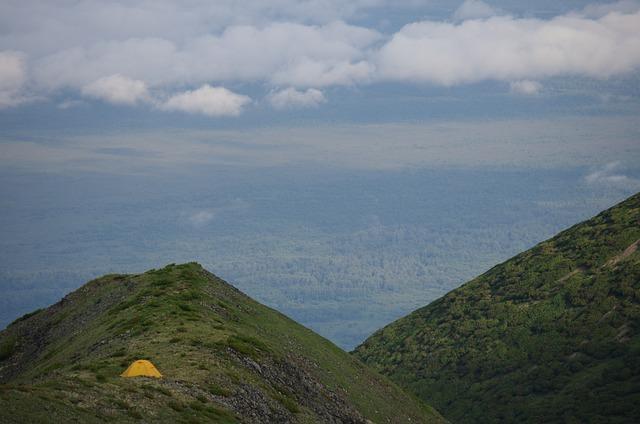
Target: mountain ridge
224, 357
550, 335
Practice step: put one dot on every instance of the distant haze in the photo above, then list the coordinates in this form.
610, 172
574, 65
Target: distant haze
344, 162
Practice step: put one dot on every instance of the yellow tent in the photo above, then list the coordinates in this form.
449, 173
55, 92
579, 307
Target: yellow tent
141, 368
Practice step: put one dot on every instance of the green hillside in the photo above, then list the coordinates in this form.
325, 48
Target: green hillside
551, 335
225, 358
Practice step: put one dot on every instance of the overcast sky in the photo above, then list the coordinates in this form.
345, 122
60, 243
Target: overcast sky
119, 86
200, 57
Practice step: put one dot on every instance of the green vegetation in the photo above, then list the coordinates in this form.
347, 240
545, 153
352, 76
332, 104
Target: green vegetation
224, 358
552, 335
7, 347
27, 315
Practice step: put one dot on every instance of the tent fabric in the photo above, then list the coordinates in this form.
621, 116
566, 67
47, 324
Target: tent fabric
141, 368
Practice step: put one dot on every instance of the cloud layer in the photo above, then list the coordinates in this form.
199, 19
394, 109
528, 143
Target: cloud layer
526, 87
474, 9
611, 174
507, 48
117, 89
131, 53
207, 100
12, 78
292, 98
586, 141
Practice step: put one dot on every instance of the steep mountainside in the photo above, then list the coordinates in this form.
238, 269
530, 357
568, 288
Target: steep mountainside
551, 335
225, 358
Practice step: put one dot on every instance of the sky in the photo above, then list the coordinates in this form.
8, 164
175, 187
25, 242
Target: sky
223, 58
296, 131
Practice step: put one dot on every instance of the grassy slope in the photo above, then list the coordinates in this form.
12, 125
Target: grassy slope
551, 335
225, 357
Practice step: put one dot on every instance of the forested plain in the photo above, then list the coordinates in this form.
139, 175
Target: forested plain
341, 252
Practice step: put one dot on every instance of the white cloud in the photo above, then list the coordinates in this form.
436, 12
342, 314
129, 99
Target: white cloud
70, 104
12, 70
43, 26
543, 143
207, 100
506, 48
474, 9
151, 60
292, 98
526, 87
201, 218
205, 216
279, 53
283, 54
598, 10
117, 89
12, 78
306, 72
610, 174
123, 52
